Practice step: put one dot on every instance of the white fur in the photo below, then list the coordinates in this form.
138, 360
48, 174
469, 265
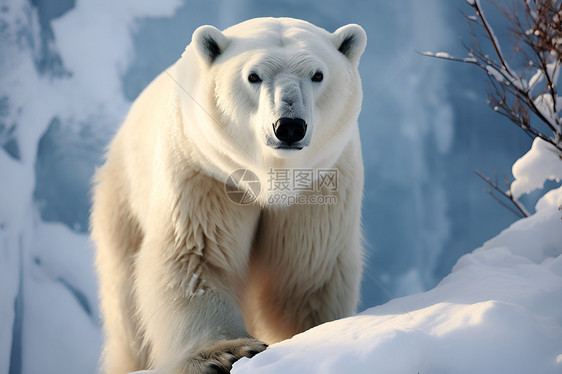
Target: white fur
184, 272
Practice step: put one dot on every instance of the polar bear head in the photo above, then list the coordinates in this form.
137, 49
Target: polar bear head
272, 92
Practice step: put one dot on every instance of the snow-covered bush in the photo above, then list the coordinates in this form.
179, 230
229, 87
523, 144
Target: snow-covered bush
528, 96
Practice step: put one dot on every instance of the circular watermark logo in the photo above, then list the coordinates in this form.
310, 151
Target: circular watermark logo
242, 187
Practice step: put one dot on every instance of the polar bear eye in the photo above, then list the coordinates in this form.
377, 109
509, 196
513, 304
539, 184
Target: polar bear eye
254, 78
317, 77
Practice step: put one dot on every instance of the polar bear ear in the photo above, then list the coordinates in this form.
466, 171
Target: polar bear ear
209, 43
351, 41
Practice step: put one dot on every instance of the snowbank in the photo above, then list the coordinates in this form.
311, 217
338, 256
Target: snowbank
61, 328
540, 164
499, 311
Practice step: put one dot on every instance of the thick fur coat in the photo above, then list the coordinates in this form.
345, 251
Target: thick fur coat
190, 281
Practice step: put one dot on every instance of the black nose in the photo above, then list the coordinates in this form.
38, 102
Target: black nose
289, 130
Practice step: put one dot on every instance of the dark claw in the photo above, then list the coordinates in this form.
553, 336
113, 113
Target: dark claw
216, 369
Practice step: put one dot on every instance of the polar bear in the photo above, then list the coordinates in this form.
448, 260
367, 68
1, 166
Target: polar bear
191, 280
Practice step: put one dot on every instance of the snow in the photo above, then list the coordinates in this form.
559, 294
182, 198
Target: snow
96, 55
60, 318
536, 78
544, 105
48, 308
447, 56
540, 164
544, 102
443, 55
499, 311
553, 70
494, 73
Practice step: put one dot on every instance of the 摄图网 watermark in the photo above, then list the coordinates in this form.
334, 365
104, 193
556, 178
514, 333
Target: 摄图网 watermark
284, 186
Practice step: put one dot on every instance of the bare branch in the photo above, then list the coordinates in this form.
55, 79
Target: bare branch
446, 56
516, 95
521, 211
477, 8
490, 192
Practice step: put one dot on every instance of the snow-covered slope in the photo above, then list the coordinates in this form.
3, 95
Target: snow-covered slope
499, 311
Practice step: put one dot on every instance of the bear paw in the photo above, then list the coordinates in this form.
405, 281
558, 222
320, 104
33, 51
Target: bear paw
219, 357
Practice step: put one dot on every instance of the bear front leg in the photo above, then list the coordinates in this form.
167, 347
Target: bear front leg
201, 334
188, 277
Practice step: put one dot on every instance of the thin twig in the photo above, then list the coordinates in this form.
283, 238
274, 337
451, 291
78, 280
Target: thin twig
492, 36
522, 212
